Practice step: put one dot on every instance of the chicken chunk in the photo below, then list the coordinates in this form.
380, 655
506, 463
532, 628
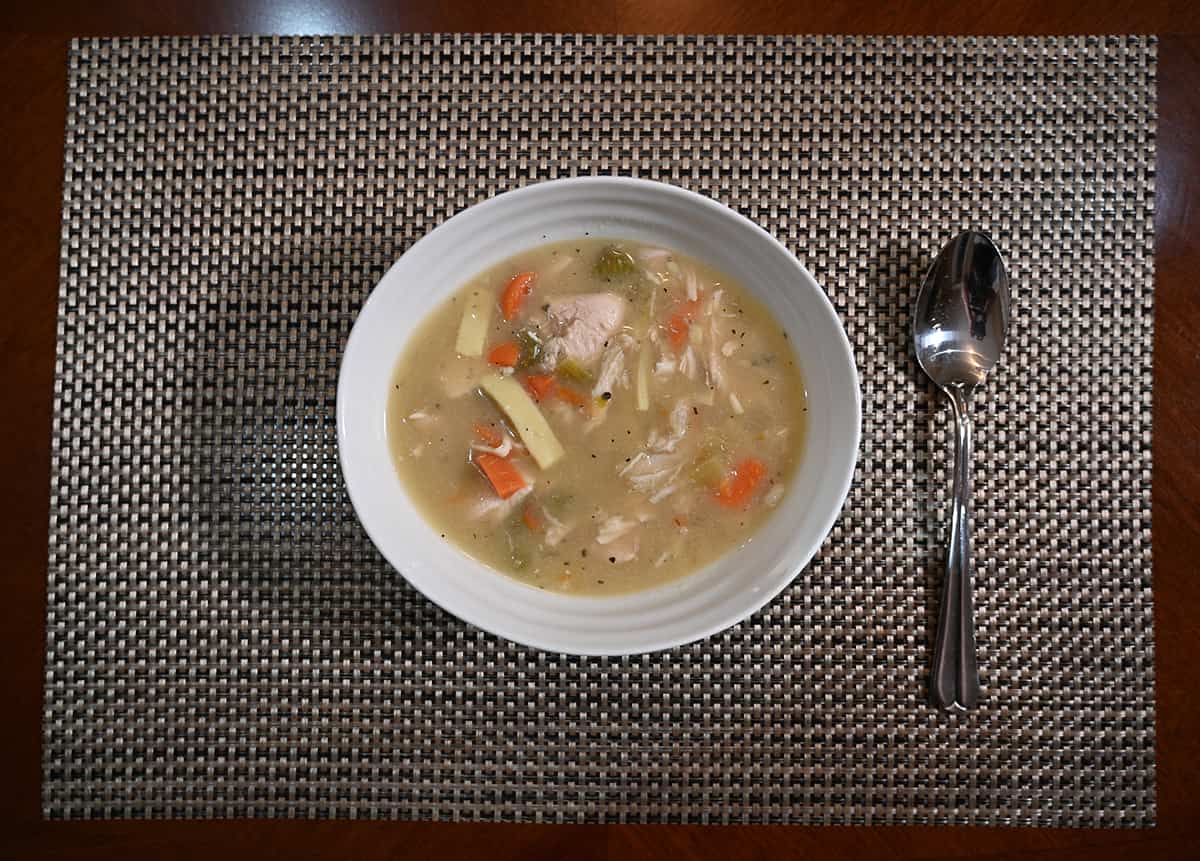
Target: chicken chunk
581, 324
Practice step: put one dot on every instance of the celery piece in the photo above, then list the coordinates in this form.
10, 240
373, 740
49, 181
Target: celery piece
613, 262
576, 373
531, 348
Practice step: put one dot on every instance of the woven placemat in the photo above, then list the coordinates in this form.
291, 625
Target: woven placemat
223, 640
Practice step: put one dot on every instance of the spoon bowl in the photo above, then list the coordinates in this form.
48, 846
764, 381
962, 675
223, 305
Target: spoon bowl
959, 326
962, 312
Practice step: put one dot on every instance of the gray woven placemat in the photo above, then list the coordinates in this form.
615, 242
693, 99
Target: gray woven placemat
224, 641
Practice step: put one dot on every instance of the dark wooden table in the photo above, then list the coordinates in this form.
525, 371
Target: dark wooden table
33, 81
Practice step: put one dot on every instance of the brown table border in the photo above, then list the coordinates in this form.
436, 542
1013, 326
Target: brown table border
33, 45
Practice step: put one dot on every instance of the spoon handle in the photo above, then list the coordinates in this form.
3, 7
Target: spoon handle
955, 680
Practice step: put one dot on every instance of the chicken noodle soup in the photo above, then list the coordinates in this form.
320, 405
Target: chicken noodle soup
598, 416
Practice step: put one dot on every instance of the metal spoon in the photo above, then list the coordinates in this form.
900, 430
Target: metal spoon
958, 329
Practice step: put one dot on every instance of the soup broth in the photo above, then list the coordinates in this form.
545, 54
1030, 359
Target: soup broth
597, 416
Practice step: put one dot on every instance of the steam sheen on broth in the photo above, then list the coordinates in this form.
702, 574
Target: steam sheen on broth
597, 416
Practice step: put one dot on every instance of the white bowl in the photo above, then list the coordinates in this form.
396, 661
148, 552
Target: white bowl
720, 595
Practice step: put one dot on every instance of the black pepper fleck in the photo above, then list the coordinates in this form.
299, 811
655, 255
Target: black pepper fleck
612, 559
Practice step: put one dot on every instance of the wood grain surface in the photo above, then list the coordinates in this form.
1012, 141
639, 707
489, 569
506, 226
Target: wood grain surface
33, 45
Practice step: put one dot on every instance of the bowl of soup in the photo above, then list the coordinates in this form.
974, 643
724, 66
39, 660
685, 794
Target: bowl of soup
598, 415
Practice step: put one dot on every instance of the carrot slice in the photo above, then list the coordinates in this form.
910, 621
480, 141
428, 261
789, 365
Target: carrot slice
532, 518
488, 435
505, 477
518, 287
572, 397
541, 386
736, 489
681, 321
505, 355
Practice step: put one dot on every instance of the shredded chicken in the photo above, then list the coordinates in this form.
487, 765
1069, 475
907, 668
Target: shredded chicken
556, 530
495, 509
624, 549
692, 285
678, 422
774, 495
664, 493
736, 404
688, 364
419, 416
612, 365
503, 450
662, 559
613, 528
656, 470
718, 308
716, 376
647, 473
633, 464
